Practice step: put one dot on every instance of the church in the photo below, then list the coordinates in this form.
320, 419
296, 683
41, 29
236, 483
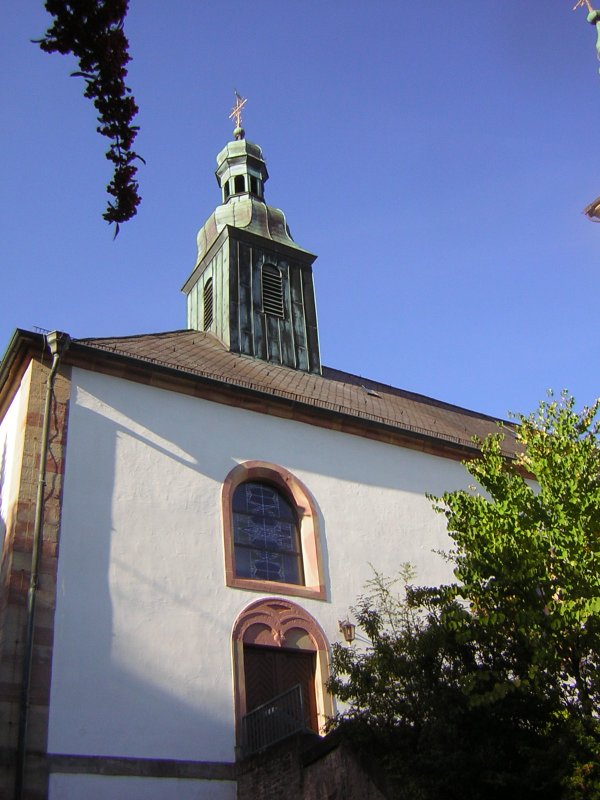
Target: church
187, 517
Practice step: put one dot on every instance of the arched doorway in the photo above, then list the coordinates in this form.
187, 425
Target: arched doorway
278, 645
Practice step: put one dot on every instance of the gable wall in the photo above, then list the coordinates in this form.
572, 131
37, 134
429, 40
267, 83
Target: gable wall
142, 663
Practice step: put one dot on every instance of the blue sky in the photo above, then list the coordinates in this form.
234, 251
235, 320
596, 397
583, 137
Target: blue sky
435, 156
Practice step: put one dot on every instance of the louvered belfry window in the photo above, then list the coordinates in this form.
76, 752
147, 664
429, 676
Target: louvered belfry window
208, 304
266, 535
272, 291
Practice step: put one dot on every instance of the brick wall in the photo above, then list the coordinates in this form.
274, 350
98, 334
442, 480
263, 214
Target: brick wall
14, 583
276, 773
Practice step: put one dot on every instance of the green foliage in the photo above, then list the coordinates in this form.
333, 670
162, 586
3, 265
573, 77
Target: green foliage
93, 31
489, 687
527, 552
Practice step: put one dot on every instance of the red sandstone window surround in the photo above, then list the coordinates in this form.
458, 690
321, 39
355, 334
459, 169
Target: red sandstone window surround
310, 581
276, 624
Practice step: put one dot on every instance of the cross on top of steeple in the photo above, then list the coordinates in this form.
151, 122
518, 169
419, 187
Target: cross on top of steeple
236, 113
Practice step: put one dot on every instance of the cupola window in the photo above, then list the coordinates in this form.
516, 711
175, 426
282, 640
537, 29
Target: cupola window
226, 191
272, 291
254, 185
208, 303
239, 184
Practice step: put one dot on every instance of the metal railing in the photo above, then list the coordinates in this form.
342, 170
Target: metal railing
279, 718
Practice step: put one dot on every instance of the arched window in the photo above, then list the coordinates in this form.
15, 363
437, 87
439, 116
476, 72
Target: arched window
239, 184
277, 645
271, 533
266, 534
254, 185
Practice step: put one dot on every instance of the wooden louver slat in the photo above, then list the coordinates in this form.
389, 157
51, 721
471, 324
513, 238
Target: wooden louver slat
272, 291
208, 304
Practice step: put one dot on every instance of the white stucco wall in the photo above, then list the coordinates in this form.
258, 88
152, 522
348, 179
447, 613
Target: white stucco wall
142, 654
12, 432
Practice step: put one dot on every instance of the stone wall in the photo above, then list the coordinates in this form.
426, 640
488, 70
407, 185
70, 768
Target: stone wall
305, 767
14, 582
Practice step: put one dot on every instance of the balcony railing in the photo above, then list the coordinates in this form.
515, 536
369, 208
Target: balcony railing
279, 718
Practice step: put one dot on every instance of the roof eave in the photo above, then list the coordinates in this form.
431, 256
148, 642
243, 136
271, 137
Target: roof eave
81, 354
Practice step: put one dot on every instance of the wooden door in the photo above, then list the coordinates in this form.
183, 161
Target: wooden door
271, 671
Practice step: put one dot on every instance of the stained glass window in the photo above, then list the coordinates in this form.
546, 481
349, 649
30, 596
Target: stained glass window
266, 537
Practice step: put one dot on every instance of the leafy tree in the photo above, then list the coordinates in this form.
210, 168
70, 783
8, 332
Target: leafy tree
490, 687
527, 554
93, 31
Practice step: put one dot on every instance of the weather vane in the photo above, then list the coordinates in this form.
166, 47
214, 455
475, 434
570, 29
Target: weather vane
593, 18
236, 113
592, 211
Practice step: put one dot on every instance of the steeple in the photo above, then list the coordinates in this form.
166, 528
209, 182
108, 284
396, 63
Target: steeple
252, 285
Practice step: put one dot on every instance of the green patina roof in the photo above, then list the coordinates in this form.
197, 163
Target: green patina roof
245, 210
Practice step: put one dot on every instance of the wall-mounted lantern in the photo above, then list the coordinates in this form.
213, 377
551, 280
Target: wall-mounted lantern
348, 630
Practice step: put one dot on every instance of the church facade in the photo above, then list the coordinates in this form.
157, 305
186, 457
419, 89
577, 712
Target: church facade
187, 516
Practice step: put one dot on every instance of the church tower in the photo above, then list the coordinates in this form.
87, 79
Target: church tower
252, 285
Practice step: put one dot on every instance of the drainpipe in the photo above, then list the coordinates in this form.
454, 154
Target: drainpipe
57, 344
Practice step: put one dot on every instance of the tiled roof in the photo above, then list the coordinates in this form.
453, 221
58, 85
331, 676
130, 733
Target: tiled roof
201, 354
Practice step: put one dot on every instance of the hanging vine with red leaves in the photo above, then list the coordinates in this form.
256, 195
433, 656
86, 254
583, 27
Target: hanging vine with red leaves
93, 31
